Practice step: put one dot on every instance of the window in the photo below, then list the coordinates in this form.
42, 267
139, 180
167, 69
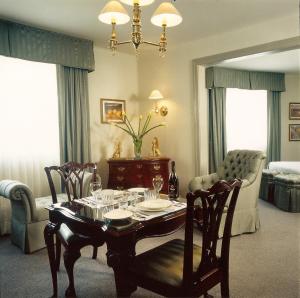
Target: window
28, 122
246, 119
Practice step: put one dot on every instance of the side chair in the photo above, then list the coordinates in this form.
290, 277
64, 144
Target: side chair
72, 176
180, 268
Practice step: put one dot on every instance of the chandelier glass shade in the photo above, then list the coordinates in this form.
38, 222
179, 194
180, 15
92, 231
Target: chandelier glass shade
166, 15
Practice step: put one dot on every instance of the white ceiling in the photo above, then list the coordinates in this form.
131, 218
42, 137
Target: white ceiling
200, 17
288, 62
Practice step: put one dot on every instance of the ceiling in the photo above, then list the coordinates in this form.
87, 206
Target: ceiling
288, 62
200, 17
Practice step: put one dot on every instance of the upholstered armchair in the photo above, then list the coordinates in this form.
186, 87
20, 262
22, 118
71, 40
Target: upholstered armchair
29, 216
246, 165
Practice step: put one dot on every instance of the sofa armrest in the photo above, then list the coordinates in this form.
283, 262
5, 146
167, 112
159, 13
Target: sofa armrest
22, 201
203, 182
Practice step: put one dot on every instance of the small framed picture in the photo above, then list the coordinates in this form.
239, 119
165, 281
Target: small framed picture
111, 110
294, 132
294, 110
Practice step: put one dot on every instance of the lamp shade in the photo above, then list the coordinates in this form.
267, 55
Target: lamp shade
114, 12
155, 95
166, 14
140, 2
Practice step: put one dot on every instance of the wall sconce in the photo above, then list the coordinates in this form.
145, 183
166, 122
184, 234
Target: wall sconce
156, 95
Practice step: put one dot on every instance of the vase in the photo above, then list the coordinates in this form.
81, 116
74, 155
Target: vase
137, 143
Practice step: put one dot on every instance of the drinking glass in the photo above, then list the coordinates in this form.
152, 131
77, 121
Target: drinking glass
157, 182
95, 189
107, 197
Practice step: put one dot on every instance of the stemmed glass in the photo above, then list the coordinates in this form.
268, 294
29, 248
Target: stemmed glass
158, 183
95, 189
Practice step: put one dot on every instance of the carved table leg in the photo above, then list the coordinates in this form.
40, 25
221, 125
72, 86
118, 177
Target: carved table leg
120, 253
70, 257
58, 252
49, 232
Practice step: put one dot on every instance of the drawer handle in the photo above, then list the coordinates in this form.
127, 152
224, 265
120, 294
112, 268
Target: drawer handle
120, 178
156, 167
121, 169
139, 166
139, 176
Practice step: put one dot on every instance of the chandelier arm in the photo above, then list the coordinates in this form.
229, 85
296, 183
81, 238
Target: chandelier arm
151, 43
124, 42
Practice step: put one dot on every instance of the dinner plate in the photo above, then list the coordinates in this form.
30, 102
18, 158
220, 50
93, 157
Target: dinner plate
118, 214
137, 189
154, 205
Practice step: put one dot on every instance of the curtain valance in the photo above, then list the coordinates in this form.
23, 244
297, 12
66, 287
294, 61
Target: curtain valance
242, 79
29, 43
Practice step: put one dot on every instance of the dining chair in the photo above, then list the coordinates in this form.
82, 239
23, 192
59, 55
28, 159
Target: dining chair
181, 268
74, 178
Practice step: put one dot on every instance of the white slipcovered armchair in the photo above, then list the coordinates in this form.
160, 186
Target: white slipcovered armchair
246, 165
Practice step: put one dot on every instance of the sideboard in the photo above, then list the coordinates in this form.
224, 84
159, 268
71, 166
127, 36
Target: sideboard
127, 173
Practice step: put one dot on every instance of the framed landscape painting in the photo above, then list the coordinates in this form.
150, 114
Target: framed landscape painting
294, 110
111, 110
294, 132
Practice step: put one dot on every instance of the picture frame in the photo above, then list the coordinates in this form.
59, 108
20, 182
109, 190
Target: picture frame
111, 110
294, 132
294, 110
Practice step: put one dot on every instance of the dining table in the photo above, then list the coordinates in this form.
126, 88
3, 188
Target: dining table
120, 236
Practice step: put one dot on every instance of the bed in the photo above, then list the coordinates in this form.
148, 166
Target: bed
285, 167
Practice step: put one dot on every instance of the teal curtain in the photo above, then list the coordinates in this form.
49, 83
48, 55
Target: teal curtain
217, 127
243, 79
274, 126
34, 44
72, 84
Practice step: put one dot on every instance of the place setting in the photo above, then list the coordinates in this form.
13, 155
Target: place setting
122, 206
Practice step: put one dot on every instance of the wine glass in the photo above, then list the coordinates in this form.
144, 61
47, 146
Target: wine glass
95, 189
157, 182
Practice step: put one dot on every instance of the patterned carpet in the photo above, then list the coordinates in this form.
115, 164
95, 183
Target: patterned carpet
265, 264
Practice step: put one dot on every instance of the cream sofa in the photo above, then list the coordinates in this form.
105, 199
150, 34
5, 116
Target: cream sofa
246, 165
29, 214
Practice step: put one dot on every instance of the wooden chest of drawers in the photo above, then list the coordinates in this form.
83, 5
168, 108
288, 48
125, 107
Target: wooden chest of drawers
127, 173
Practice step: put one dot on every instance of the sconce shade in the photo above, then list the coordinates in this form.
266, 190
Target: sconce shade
114, 12
155, 95
140, 2
166, 14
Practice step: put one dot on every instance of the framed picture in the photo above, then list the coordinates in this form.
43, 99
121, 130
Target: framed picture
111, 110
294, 132
294, 110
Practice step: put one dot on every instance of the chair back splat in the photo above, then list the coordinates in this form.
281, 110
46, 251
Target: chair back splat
72, 177
213, 203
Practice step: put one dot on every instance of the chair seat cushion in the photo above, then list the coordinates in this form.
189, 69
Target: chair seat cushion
41, 203
164, 264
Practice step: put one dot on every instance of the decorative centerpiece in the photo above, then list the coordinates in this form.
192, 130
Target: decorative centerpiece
137, 136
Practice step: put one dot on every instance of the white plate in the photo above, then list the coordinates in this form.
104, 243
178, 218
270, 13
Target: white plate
154, 205
137, 189
118, 214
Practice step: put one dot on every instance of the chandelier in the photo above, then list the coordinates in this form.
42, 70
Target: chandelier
114, 13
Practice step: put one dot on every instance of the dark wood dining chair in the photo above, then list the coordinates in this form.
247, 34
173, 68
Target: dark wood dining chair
74, 183
180, 268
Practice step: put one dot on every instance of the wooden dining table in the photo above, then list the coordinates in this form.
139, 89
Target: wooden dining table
120, 237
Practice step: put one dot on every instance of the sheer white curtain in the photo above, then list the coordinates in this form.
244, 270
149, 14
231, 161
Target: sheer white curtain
246, 119
28, 122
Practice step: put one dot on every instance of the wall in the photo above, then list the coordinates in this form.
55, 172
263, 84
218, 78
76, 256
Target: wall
114, 77
290, 150
173, 75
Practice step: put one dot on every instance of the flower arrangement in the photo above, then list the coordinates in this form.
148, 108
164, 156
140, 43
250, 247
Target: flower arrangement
137, 136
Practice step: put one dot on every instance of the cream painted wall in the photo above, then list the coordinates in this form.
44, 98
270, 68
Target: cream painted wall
289, 150
173, 75
114, 77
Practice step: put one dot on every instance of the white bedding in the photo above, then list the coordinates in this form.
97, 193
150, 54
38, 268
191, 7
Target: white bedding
291, 167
